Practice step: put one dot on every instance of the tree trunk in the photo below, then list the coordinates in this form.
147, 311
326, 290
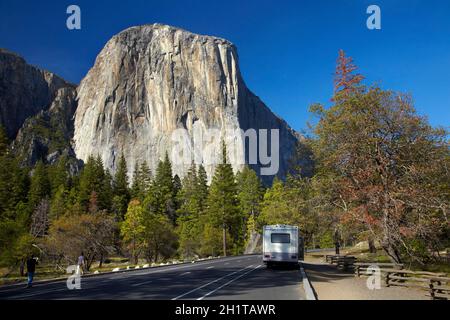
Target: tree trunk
224, 241
392, 253
372, 248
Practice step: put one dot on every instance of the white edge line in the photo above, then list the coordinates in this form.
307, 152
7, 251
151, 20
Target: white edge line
207, 284
309, 291
141, 283
225, 284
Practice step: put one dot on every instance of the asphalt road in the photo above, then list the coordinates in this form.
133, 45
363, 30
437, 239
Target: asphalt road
234, 278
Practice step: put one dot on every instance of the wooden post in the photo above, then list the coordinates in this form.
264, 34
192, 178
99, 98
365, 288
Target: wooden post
431, 289
224, 241
387, 278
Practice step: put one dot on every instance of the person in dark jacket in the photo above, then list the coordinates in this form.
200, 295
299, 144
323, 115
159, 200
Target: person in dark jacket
31, 269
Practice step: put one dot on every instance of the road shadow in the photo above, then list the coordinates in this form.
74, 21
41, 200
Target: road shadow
325, 272
282, 267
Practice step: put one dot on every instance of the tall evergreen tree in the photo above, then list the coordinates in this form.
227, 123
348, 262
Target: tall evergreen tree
188, 214
40, 185
121, 179
161, 198
58, 174
4, 141
106, 191
202, 187
59, 203
346, 81
188, 199
142, 179
250, 196
121, 191
94, 179
176, 185
135, 190
14, 185
146, 177
223, 203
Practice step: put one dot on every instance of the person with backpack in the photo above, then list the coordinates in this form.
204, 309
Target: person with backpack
80, 264
31, 269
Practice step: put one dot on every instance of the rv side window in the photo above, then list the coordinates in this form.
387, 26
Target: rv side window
281, 238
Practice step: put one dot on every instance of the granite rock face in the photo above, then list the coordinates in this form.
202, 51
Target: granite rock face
24, 91
48, 135
153, 86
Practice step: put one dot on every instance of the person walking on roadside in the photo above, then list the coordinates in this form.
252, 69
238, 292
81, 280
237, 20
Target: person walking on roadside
80, 264
337, 242
337, 246
31, 269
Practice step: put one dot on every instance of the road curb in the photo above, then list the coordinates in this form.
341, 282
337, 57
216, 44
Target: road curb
309, 290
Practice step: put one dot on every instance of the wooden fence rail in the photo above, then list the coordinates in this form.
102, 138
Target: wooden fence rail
361, 267
342, 262
437, 284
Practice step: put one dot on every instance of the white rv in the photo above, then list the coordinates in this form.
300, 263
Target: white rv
282, 244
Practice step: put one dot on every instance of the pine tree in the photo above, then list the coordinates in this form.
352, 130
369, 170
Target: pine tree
4, 141
106, 192
222, 201
345, 80
188, 199
188, 214
14, 185
142, 180
250, 196
121, 192
161, 198
275, 208
135, 191
58, 203
121, 179
176, 185
94, 178
145, 177
58, 175
202, 187
40, 185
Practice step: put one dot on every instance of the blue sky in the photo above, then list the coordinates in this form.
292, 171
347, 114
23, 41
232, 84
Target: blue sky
287, 49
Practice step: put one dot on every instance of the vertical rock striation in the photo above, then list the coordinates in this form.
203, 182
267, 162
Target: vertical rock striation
153, 80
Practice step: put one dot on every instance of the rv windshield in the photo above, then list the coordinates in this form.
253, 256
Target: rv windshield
281, 238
